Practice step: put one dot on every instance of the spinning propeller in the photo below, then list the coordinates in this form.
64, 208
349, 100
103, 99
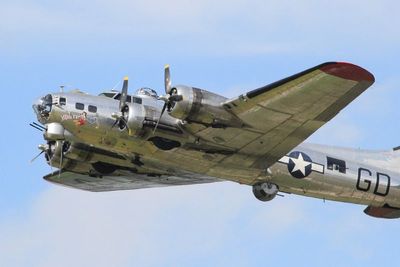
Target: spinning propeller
171, 95
121, 118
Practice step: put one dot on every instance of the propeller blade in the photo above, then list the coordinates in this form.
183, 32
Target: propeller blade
158, 121
32, 160
124, 94
115, 123
49, 161
122, 123
167, 79
61, 159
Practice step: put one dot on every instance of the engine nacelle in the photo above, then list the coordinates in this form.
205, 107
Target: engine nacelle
201, 106
64, 155
265, 191
77, 153
135, 118
55, 154
69, 152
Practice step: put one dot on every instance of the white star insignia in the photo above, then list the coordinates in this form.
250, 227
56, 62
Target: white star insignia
300, 164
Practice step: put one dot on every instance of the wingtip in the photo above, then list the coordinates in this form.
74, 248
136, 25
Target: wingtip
348, 71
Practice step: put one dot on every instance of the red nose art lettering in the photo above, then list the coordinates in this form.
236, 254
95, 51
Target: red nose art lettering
81, 119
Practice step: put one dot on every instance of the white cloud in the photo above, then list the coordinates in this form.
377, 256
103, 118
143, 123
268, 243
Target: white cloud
362, 121
280, 217
66, 227
342, 132
223, 27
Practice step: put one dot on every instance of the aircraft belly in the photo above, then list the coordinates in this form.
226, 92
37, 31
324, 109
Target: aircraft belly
207, 164
180, 159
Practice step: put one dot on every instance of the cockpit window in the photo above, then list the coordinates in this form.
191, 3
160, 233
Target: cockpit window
110, 95
136, 100
128, 97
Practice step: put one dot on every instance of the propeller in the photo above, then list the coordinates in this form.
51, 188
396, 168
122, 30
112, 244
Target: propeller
51, 149
124, 94
43, 149
120, 117
167, 79
170, 96
61, 159
38, 155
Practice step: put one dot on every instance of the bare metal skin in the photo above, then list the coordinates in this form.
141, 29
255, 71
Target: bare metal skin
117, 141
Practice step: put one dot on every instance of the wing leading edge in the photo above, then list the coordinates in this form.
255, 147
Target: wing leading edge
288, 111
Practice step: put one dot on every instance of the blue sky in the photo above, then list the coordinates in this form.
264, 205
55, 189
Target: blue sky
228, 47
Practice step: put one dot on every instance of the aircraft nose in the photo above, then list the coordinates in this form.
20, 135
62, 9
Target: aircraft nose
42, 107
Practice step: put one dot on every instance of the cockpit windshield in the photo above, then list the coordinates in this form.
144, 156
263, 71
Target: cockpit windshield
117, 96
144, 91
128, 97
108, 94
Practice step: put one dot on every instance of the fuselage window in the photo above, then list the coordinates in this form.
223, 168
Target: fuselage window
136, 100
92, 108
336, 165
80, 106
63, 101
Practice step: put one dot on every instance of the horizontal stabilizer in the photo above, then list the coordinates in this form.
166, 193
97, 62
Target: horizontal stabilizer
386, 212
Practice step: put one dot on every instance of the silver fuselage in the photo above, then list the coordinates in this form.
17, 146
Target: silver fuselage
367, 177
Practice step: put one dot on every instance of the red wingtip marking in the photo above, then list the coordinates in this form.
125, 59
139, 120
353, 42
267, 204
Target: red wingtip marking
348, 71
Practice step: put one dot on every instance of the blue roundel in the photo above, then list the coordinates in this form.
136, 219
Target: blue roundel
299, 165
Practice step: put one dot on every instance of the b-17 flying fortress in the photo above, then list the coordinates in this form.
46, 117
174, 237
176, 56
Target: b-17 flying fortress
118, 141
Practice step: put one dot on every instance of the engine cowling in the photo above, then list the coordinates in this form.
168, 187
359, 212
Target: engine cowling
64, 155
201, 106
55, 154
134, 118
265, 191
